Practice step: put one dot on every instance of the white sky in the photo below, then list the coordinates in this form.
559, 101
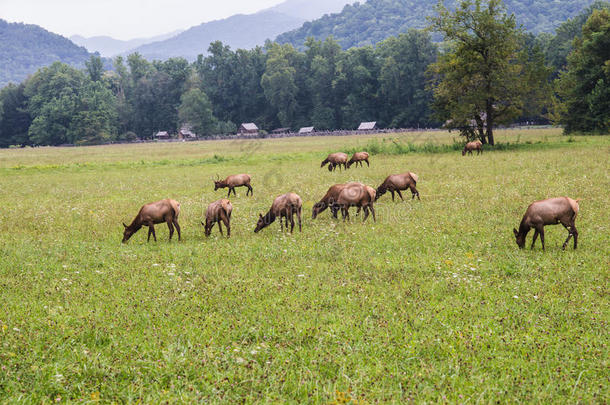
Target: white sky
124, 19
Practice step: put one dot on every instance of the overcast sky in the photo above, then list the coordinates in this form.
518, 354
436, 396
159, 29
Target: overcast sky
123, 19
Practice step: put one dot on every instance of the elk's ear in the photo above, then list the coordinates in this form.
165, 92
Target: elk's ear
124, 225
260, 216
515, 232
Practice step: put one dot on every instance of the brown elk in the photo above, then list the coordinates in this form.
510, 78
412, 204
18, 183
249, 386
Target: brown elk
329, 199
236, 180
155, 213
552, 211
284, 206
474, 145
334, 160
218, 211
358, 157
356, 195
396, 182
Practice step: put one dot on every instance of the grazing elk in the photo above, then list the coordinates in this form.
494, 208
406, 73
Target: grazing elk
284, 206
356, 195
329, 200
548, 212
155, 213
236, 180
218, 211
358, 157
396, 182
474, 145
334, 160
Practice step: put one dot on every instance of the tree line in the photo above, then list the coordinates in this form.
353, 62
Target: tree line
487, 72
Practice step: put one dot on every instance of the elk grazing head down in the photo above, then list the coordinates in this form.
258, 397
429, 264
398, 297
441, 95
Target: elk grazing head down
394, 183
358, 158
155, 213
470, 146
335, 160
552, 211
284, 206
218, 211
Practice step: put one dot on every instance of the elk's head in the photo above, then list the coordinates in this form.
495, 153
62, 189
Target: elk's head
464, 151
317, 208
127, 233
261, 223
379, 192
520, 238
349, 163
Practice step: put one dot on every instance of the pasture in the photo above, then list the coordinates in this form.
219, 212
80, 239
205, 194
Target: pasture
432, 303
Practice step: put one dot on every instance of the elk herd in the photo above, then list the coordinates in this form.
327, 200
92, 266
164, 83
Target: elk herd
340, 197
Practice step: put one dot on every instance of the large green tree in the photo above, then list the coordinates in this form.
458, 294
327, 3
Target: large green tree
279, 82
196, 110
483, 77
585, 87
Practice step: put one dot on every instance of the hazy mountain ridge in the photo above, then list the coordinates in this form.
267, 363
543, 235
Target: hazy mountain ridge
238, 31
244, 31
108, 46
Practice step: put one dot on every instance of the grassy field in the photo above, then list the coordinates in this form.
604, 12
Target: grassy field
432, 303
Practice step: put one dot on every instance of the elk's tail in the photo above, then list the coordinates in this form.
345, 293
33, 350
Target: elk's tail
228, 208
414, 176
175, 208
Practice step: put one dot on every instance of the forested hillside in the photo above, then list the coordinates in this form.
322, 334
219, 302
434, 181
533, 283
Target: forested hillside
370, 22
25, 48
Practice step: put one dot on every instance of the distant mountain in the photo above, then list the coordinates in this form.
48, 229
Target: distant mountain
109, 47
240, 31
25, 48
371, 22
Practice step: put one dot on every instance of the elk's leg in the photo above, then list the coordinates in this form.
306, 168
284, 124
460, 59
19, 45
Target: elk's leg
227, 222
414, 192
291, 221
299, 219
149, 233
366, 213
392, 191
175, 222
249, 190
151, 227
541, 232
373, 212
171, 229
534, 238
400, 194
575, 234
358, 210
367, 163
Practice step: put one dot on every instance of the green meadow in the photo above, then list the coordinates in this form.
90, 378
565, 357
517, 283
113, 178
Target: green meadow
432, 303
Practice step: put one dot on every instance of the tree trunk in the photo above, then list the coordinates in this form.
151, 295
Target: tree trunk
490, 122
480, 128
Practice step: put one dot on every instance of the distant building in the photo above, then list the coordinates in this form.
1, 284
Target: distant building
248, 128
162, 135
368, 126
306, 130
186, 132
